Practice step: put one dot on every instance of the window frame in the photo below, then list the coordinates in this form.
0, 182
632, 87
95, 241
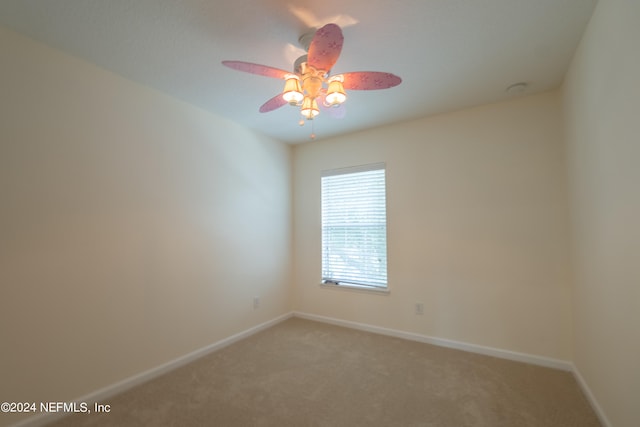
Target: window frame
345, 284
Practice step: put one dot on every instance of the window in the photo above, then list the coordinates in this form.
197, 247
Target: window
354, 226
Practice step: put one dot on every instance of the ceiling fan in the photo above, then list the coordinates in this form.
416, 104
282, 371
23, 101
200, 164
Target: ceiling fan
305, 86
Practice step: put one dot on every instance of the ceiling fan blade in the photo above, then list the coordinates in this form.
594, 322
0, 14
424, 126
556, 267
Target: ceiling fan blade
325, 47
370, 80
262, 70
273, 104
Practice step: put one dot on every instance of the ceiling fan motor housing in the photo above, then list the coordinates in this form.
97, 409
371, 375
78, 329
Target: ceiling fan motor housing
312, 80
305, 39
297, 66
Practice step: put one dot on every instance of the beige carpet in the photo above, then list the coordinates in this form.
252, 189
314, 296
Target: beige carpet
303, 373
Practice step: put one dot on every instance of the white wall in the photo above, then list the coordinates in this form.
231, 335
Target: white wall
602, 100
134, 228
476, 227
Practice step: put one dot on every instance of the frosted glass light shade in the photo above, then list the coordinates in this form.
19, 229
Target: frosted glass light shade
335, 93
292, 92
309, 108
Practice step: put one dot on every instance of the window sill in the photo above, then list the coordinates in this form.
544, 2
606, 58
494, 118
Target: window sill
357, 288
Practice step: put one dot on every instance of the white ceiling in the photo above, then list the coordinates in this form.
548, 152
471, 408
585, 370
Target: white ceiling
450, 54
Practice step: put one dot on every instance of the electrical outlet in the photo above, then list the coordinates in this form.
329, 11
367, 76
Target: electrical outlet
256, 303
419, 308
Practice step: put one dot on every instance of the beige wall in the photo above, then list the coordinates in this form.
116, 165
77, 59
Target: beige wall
476, 227
134, 228
602, 99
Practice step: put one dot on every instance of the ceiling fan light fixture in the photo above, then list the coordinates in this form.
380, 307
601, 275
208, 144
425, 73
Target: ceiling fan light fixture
309, 108
311, 76
335, 92
292, 92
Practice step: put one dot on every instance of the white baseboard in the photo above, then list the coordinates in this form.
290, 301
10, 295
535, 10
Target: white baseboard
128, 383
111, 390
473, 348
489, 351
590, 397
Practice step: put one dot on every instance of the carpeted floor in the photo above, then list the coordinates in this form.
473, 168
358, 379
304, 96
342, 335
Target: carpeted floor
302, 373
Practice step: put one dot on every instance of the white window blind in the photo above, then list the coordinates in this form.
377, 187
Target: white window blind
354, 226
